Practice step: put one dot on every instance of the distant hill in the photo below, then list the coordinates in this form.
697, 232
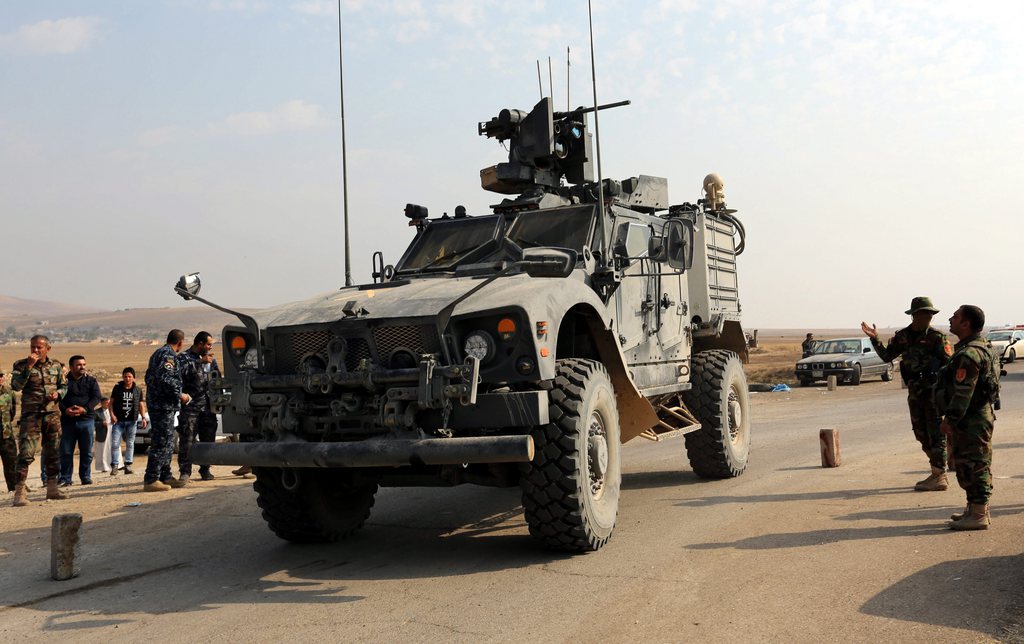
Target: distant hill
16, 307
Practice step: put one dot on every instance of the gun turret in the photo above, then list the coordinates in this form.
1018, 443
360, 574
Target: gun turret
544, 147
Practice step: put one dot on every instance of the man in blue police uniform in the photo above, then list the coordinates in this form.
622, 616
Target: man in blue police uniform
163, 398
196, 421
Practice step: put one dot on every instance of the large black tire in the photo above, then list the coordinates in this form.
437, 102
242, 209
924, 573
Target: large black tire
1011, 356
719, 399
321, 506
887, 374
571, 488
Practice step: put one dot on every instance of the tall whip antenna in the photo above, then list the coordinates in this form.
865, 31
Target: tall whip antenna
540, 85
551, 83
597, 138
344, 157
568, 106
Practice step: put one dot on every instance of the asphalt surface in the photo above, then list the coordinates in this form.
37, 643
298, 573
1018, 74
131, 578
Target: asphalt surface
789, 551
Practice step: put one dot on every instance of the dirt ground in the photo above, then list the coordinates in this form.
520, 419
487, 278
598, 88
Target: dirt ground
788, 552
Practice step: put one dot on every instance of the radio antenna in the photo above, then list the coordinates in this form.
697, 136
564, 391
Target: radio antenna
344, 157
540, 86
597, 139
551, 83
568, 106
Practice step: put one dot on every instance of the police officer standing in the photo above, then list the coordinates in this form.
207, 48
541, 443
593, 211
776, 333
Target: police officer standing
41, 383
8, 437
969, 386
924, 350
163, 398
196, 420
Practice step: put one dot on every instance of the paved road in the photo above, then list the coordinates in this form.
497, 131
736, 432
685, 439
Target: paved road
789, 551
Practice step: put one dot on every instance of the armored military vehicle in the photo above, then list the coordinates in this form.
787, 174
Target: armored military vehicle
517, 347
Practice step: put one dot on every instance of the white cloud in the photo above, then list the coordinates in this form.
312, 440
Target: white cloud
63, 36
238, 5
159, 136
316, 8
293, 115
412, 30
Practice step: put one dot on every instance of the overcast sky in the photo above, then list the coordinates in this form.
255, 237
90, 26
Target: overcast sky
873, 149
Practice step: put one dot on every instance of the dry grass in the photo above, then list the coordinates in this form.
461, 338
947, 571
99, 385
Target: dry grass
104, 361
773, 362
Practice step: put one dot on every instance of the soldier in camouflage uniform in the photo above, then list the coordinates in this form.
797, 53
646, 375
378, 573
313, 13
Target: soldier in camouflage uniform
968, 388
8, 437
41, 383
924, 350
163, 399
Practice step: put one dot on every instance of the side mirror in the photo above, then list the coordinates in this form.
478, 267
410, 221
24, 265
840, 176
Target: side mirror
188, 285
867, 350
679, 244
548, 262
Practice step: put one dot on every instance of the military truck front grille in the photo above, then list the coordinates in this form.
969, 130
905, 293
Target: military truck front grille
291, 348
358, 350
418, 339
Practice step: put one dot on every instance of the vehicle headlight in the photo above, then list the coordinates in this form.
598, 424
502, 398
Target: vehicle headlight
251, 359
480, 345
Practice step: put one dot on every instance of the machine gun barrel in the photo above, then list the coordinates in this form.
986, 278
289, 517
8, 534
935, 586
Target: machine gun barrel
588, 110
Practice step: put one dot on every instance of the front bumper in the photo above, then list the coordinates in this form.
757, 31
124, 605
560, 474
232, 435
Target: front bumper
812, 375
369, 453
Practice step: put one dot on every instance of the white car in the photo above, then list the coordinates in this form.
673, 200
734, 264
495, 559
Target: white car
1001, 339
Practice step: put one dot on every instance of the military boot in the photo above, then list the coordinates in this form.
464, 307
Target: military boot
155, 486
53, 491
181, 481
20, 496
976, 518
956, 516
937, 482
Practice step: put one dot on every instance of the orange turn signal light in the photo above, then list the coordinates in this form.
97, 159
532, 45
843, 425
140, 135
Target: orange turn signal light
507, 328
238, 344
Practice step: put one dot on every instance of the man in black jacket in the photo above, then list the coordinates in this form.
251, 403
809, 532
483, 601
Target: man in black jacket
77, 422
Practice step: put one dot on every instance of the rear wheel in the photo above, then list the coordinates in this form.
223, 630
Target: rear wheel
571, 488
719, 399
312, 505
1012, 355
887, 374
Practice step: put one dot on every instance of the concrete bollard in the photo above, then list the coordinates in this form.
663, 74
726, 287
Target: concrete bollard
831, 383
65, 537
829, 439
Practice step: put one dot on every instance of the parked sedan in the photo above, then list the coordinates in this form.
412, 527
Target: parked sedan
1002, 339
848, 359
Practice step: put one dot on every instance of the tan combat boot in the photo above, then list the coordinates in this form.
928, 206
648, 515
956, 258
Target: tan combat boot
956, 516
53, 491
181, 481
937, 482
20, 496
155, 486
975, 519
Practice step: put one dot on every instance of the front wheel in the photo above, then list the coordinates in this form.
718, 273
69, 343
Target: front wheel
855, 378
1012, 355
312, 505
887, 374
719, 399
571, 488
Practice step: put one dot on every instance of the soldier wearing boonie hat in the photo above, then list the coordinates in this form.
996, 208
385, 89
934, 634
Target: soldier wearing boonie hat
924, 350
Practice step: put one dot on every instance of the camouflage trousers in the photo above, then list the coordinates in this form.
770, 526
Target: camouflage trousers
925, 420
161, 433
39, 428
9, 455
192, 427
972, 451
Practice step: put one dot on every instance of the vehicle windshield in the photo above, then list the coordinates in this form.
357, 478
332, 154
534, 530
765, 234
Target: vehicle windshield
999, 335
446, 242
837, 346
561, 228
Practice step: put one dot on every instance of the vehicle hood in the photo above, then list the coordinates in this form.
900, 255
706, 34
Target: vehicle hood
829, 357
422, 298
